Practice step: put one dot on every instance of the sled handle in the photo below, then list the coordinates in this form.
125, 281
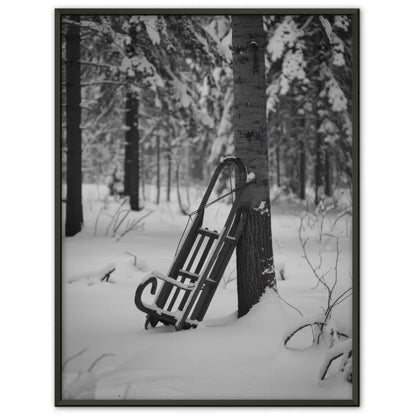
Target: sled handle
151, 279
139, 291
228, 160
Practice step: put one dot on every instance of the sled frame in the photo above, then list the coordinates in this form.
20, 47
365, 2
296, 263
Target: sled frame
206, 252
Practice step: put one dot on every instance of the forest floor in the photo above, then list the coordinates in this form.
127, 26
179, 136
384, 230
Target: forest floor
225, 357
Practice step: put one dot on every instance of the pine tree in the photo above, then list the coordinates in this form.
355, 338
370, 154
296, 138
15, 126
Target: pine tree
309, 79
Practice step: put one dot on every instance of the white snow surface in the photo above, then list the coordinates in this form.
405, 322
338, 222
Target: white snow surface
225, 357
251, 176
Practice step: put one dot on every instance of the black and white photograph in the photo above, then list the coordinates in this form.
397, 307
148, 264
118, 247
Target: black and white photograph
207, 207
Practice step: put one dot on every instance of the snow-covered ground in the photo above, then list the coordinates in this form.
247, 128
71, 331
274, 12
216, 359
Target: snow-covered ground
225, 357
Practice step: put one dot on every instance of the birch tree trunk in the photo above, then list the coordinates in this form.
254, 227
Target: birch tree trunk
74, 217
255, 267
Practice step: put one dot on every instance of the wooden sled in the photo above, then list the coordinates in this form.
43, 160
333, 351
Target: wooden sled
186, 291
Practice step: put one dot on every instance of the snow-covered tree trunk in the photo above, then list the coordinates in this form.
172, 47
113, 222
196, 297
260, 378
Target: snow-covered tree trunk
255, 268
74, 217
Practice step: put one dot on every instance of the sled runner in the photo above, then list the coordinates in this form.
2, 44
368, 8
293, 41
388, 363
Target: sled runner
186, 291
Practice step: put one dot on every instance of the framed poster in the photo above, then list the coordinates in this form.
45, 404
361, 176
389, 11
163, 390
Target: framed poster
207, 207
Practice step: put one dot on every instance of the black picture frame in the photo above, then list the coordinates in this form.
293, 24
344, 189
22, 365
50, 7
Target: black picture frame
355, 401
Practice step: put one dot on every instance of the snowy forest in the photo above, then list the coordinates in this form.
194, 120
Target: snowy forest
223, 144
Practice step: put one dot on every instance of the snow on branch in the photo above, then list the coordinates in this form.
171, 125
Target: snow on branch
344, 350
105, 29
108, 82
333, 332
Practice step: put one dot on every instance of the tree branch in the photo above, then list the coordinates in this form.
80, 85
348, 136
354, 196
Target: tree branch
88, 84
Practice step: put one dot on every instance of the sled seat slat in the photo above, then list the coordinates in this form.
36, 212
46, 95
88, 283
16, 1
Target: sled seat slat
192, 276
209, 233
169, 280
204, 254
196, 251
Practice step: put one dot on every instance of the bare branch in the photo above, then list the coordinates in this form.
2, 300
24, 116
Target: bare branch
97, 64
135, 224
72, 357
95, 362
107, 275
336, 266
134, 256
305, 255
287, 303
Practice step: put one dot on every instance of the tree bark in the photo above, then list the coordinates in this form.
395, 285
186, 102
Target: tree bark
142, 171
127, 146
74, 218
328, 190
302, 160
157, 169
277, 153
319, 144
316, 52
196, 155
134, 167
255, 267
169, 173
178, 193
132, 173
319, 167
